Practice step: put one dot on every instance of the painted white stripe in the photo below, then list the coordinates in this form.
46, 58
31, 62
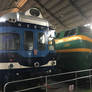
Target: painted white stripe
50, 63
16, 65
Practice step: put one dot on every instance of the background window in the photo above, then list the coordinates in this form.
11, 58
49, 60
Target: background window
70, 33
9, 41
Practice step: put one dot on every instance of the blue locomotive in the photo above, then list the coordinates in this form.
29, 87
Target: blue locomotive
24, 44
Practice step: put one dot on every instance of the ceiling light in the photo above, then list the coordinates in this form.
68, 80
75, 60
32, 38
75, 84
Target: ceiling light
86, 25
2, 19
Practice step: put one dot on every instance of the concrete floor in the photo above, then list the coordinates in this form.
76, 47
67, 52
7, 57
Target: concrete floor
66, 90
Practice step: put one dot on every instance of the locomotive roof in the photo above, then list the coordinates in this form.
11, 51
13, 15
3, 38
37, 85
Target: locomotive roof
20, 17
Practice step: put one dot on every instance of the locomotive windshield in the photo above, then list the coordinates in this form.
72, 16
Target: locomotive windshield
70, 33
9, 41
51, 35
28, 40
85, 30
41, 41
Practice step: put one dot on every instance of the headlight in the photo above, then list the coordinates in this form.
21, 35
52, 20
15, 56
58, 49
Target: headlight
51, 47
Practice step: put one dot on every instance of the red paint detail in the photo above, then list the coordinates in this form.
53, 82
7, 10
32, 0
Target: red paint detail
35, 52
48, 86
11, 60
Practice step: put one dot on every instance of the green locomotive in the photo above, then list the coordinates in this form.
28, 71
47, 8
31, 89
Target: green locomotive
74, 50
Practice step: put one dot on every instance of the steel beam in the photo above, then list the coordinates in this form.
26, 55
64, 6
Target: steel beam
78, 9
14, 9
51, 14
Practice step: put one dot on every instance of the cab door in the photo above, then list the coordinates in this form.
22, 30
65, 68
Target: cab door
28, 43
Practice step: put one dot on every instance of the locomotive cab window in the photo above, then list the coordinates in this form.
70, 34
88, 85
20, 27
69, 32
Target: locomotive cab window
85, 30
70, 33
9, 41
41, 41
28, 40
57, 35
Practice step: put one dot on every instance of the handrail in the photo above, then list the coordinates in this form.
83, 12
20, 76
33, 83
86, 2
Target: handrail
25, 80
18, 81
70, 72
28, 89
69, 80
48, 76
